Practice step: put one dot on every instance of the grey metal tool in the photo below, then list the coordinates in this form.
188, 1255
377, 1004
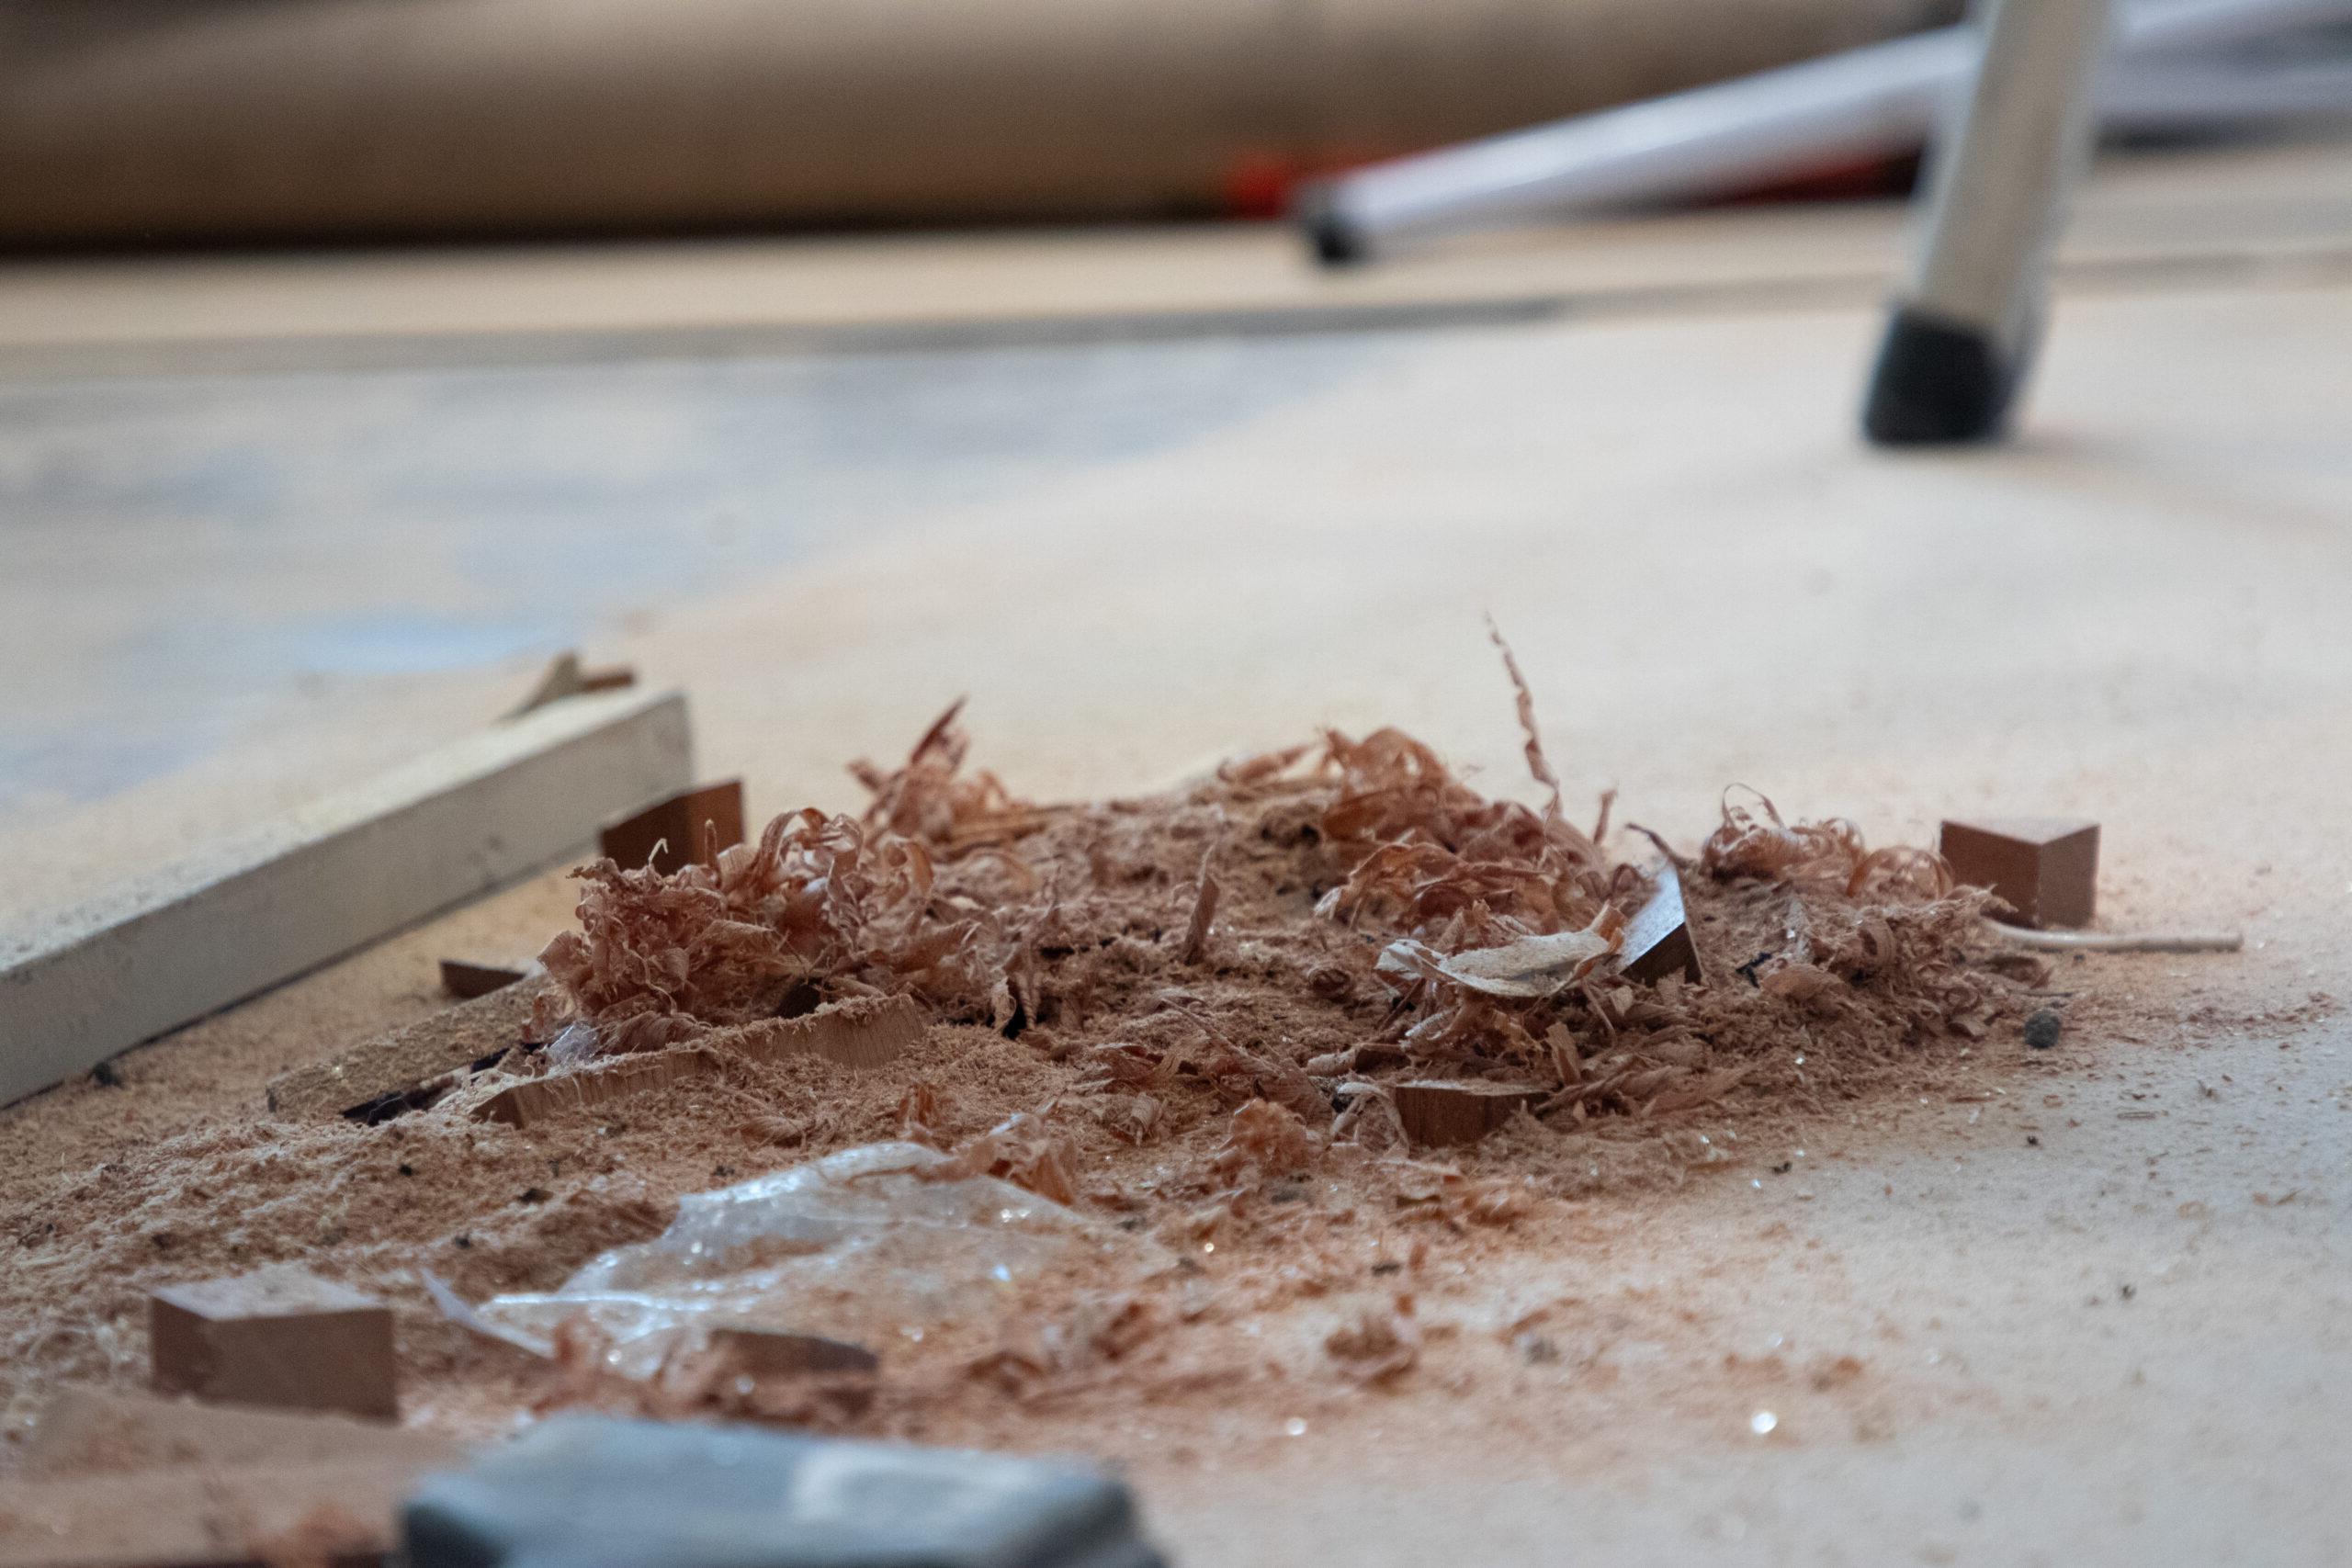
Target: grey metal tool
1964, 335
590, 1492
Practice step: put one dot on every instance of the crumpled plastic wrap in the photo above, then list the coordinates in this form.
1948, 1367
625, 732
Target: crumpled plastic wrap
858, 1245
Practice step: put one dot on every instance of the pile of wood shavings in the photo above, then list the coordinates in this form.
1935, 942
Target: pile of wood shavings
1185, 1012
1334, 916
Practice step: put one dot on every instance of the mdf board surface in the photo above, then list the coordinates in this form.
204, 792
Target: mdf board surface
2128, 614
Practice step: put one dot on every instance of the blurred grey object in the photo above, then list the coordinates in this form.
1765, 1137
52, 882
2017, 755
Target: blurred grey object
587, 1491
162, 121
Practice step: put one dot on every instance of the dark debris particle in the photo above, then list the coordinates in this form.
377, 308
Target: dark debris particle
2032, 1141
1287, 1193
2042, 1029
406, 1168
2127, 1292
1388, 1267
533, 1195
1748, 970
462, 1241
1784, 1167
106, 1075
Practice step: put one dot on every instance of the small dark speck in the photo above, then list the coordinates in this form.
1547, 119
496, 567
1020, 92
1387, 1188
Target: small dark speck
1387, 1267
722, 1172
2032, 1141
2041, 1028
163, 1240
462, 1242
2127, 1292
1288, 1193
533, 1195
407, 1169
106, 1075
1783, 1168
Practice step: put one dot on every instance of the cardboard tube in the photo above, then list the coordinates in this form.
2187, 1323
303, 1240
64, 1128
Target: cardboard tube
166, 120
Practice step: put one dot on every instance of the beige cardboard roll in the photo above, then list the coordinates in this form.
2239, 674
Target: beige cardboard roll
155, 120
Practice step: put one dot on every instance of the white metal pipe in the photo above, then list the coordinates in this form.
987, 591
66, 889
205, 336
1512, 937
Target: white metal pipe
1859, 104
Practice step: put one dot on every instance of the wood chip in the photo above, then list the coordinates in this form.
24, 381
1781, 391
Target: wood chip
1437, 1113
1656, 940
686, 828
567, 677
769, 1353
278, 1336
409, 1061
466, 980
1197, 938
2045, 869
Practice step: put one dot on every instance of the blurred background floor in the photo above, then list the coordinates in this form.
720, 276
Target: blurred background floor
272, 520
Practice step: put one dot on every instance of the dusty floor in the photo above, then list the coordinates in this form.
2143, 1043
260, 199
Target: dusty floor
2123, 1340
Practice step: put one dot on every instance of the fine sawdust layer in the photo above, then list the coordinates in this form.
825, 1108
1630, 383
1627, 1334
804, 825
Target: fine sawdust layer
1212, 1088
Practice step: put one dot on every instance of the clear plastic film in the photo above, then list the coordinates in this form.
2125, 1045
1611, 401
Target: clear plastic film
858, 1245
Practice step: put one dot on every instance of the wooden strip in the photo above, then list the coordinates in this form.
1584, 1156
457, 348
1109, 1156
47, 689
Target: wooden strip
328, 879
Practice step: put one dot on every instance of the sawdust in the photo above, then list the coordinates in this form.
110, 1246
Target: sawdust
1185, 1011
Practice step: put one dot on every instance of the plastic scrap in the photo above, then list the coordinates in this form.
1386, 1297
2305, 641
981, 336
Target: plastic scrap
862, 1244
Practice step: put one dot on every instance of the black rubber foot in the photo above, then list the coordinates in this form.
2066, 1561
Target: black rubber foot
1335, 241
1937, 382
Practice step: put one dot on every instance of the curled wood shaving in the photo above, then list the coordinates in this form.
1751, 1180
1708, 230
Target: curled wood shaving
1821, 854
1204, 899
1262, 1140
922, 1115
1020, 1149
1369, 1120
1541, 965
928, 798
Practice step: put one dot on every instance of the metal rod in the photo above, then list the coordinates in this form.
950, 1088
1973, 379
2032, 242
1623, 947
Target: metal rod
1862, 103
1961, 339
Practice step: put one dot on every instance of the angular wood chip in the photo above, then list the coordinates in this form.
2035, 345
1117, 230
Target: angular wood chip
864, 1032
407, 1059
1437, 1113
